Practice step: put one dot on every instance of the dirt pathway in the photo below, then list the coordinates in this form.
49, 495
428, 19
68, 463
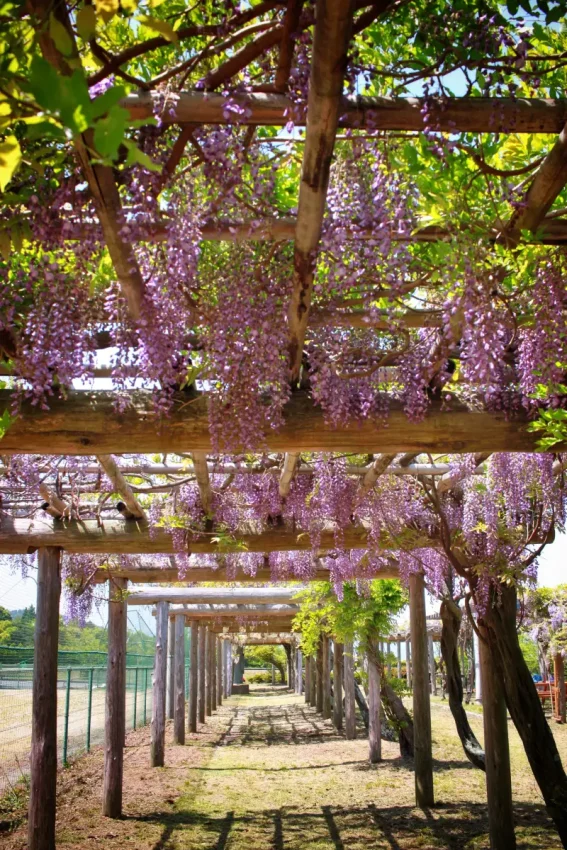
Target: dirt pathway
267, 773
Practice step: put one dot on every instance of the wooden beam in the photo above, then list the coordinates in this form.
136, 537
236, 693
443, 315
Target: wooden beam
43, 755
548, 182
115, 700
87, 423
144, 575
157, 743
133, 508
216, 596
18, 536
287, 43
449, 115
258, 625
202, 672
423, 760
333, 24
219, 614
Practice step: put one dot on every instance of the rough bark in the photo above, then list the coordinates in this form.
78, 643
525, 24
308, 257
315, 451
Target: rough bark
525, 707
451, 617
115, 701
421, 706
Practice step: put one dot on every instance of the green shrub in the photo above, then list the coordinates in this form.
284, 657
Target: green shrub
259, 679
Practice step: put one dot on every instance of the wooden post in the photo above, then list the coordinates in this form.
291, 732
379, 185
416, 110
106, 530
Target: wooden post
213, 671
421, 707
308, 680
179, 664
208, 681
408, 663
43, 758
229, 668
327, 709
171, 670
348, 667
115, 700
477, 672
388, 663
399, 646
219, 671
497, 755
313, 694
157, 745
559, 685
319, 678
202, 671
338, 659
432, 676
194, 676
374, 725
226, 662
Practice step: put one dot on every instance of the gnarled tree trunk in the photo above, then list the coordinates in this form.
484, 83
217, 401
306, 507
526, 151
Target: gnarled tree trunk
524, 705
451, 617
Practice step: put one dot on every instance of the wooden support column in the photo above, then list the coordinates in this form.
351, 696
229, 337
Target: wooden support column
194, 676
408, 664
202, 671
229, 670
374, 725
388, 662
225, 645
338, 657
326, 674
497, 755
348, 681
157, 745
319, 678
308, 680
299, 673
559, 676
219, 671
43, 757
399, 648
421, 707
213, 671
115, 700
208, 681
477, 671
171, 670
432, 676
179, 665
313, 693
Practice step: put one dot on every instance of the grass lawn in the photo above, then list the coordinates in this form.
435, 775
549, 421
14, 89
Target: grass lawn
267, 772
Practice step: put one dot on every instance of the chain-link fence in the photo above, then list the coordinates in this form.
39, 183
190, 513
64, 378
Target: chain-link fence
80, 712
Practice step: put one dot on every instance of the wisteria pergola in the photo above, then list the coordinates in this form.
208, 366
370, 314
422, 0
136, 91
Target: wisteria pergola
280, 65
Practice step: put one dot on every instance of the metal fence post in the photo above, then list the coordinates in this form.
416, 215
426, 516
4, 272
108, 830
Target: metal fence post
66, 721
135, 696
145, 694
90, 709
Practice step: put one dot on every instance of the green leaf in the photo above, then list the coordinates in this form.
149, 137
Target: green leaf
162, 27
109, 132
554, 15
61, 37
135, 155
5, 422
44, 84
104, 103
10, 156
106, 9
86, 22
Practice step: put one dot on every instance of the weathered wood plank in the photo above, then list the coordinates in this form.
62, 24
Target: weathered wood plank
43, 756
423, 760
87, 423
216, 596
326, 674
157, 743
202, 671
338, 669
115, 700
469, 115
374, 723
170, 665
350, 700
194, 676
179, 664
497, 755
219, 649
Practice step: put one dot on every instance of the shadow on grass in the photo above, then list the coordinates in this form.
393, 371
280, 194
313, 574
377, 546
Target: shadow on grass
446, 827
